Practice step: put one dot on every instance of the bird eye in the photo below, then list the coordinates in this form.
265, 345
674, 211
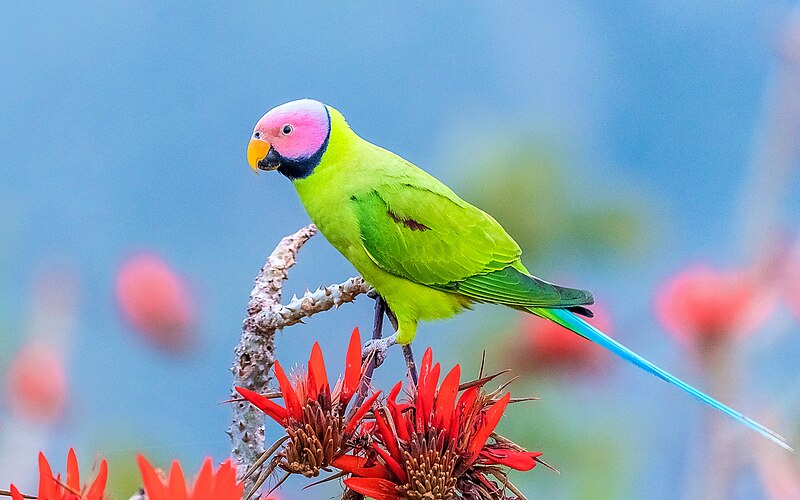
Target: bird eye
257, 135
287, 129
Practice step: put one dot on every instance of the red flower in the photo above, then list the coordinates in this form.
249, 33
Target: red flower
702, 303
791, 279
36, 383
438, 444
317, 423
209, 485
544, 344
156, 301
52, 488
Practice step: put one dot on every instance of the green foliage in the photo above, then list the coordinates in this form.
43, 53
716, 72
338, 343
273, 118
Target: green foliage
124, 478
549, 206
590, 458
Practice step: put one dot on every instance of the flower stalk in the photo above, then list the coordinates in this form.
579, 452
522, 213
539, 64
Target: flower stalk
254, 355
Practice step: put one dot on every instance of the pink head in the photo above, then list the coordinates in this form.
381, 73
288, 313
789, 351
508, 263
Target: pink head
290, 138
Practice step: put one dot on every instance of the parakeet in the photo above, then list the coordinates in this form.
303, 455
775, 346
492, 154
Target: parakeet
429, 253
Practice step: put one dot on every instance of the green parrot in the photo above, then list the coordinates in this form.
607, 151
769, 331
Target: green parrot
426, 251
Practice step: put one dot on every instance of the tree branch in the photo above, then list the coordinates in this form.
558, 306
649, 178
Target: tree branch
255, 353
320, 300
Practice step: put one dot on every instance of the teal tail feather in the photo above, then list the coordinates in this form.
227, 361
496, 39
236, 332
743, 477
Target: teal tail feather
572, 322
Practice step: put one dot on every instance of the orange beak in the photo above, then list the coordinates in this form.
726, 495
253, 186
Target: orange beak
256, 151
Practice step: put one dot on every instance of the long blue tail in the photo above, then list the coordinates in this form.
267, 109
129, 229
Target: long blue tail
571, 321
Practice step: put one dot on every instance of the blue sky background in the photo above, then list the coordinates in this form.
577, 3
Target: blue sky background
124, 127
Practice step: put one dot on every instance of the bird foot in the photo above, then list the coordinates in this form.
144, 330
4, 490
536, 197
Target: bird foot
378, 347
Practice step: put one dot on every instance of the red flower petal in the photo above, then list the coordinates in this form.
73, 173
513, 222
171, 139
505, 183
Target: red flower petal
378, 489
204, 484
425, 396
446, 398
15, 494
293, 407
316, 368
490, 421
519, 460
358, 467
392, 464
73, 476
425, 367
422, 386
352, 368
271, 408
226, 486
484, 481
47, 485
467, 399
177, 484
98, 487
359, 414
367, 428
209, 485
152, 484
311, 392
400, 423
389, 439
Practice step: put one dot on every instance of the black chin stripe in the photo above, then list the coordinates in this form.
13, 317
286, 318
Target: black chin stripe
303, 167
297, 169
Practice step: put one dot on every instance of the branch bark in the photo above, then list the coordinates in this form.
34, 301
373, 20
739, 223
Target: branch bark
255, 353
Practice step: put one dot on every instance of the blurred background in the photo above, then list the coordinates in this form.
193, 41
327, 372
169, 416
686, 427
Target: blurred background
646, 151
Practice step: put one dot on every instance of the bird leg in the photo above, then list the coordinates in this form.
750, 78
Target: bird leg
408, 354
378, 351
380, 310
411, 366
378, 346
377, 333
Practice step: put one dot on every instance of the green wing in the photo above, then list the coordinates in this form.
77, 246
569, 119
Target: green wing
516, 288
423, 232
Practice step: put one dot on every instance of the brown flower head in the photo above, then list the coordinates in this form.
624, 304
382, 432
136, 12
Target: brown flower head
439, 444
318, 425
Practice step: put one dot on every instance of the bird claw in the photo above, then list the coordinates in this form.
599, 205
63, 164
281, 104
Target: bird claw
377, 348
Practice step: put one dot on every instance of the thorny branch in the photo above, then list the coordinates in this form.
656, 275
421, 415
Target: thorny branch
255, 353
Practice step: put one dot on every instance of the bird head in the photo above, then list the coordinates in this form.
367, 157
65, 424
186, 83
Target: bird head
290, 138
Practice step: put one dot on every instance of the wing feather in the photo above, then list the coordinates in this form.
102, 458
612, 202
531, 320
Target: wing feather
457, 241
428, 235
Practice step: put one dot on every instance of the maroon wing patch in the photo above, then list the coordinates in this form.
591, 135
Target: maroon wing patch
409, 223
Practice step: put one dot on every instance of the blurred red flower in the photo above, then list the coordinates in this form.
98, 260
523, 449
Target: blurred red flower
791, 281
546, 345
702, 303
438, 444
156, 301
36, 383
317, 422
52, 488
209, 485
